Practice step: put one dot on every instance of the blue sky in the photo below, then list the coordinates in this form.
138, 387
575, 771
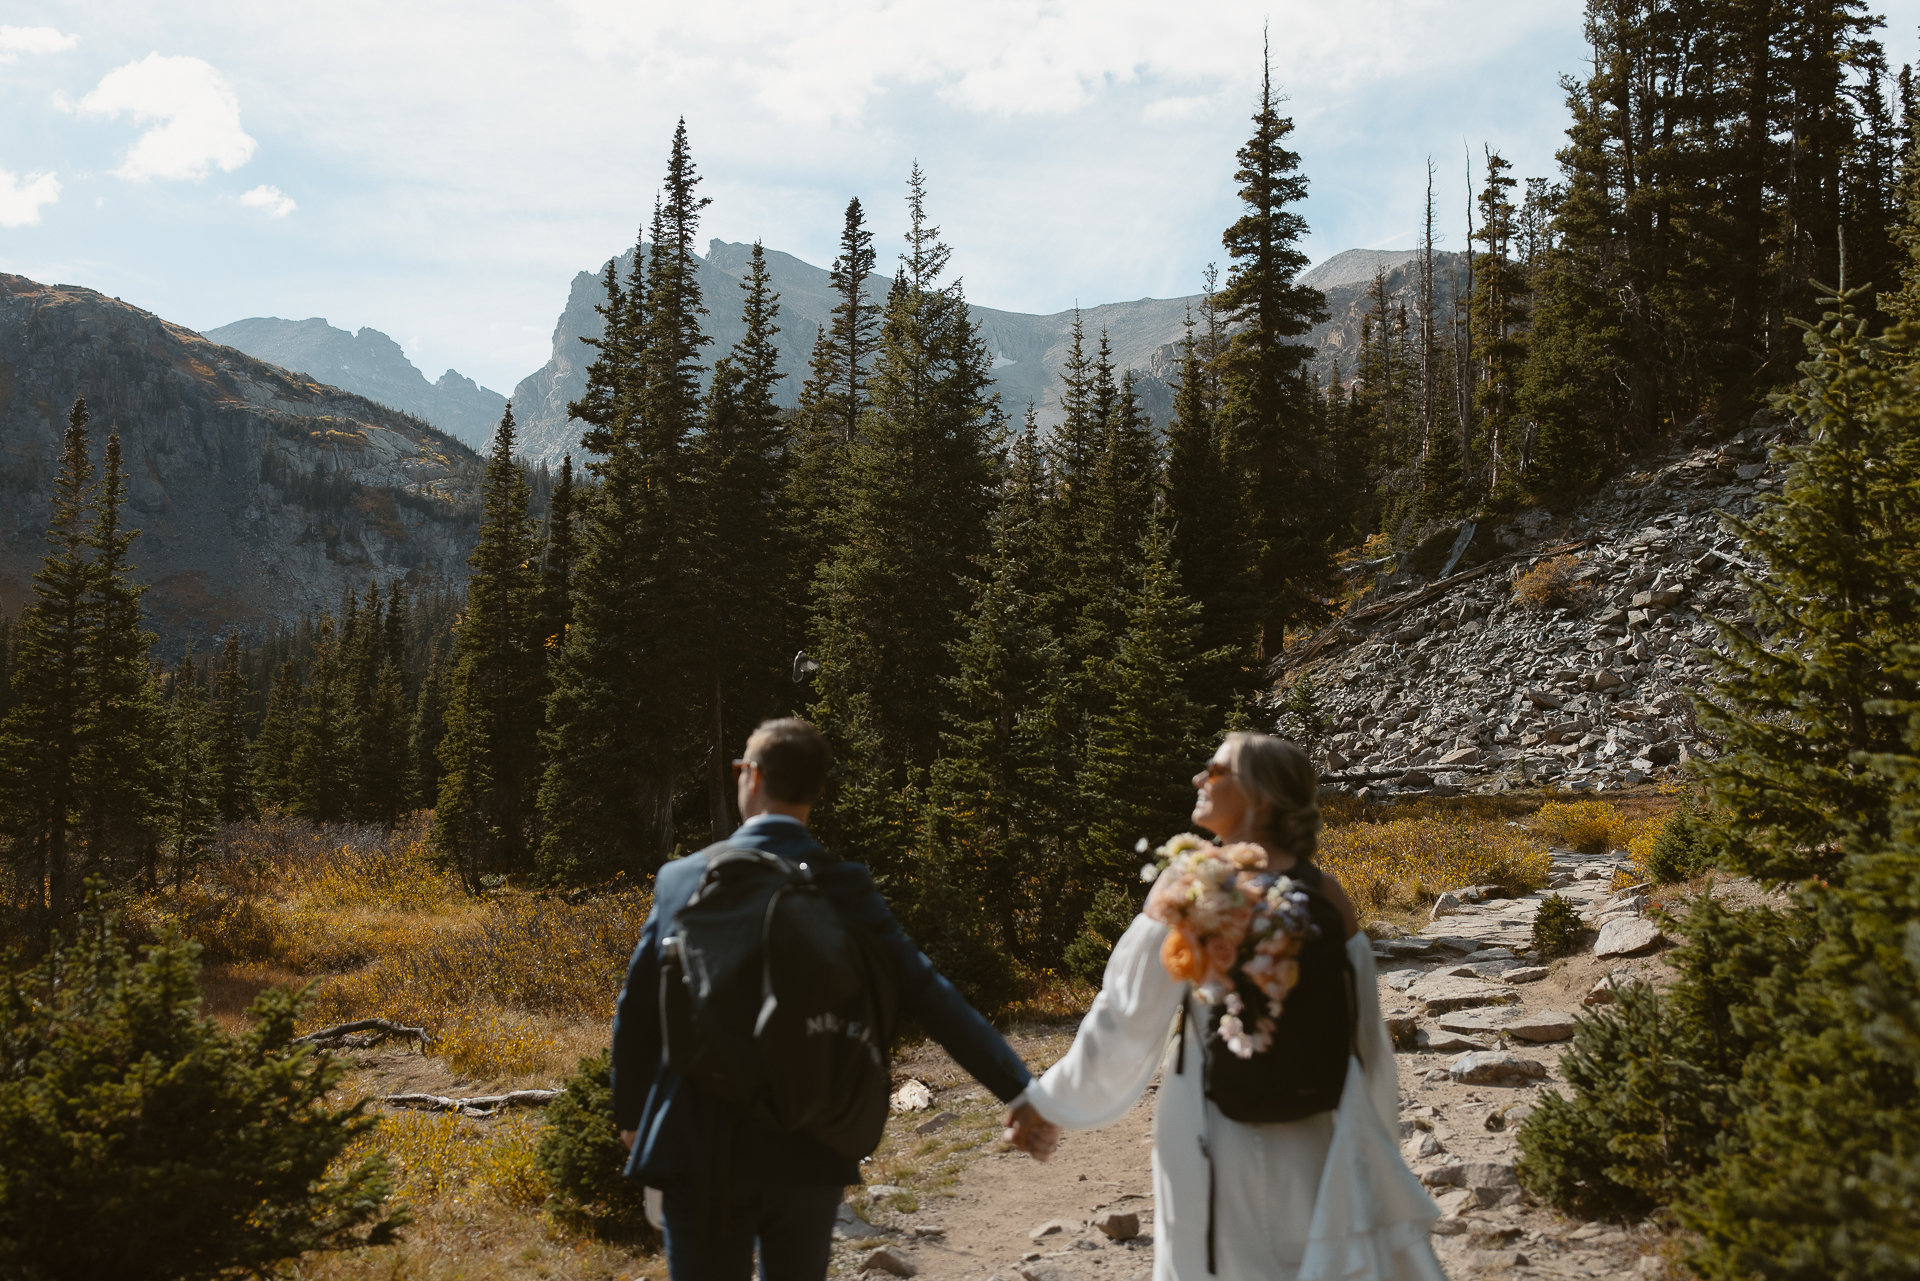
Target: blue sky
439, 171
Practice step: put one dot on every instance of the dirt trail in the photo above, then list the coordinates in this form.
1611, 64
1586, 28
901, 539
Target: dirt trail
976, 1223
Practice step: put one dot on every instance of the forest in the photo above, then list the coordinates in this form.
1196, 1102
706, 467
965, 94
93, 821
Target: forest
1021, 643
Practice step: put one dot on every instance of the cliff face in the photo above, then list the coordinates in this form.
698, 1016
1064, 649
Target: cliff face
369, 364
259, 494
1029, 351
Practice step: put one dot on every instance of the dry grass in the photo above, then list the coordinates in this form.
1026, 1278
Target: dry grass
1395, 867
1551, 585
515, 988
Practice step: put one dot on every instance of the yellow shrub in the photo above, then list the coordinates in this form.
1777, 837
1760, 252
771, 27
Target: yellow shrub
440, 1154
1551, 584
1592, 827
1405, 861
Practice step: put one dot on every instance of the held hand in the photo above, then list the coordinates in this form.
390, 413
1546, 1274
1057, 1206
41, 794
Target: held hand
1031, 1132
627, 1137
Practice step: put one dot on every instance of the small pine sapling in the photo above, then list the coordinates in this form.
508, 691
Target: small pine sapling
582, 1156
1557, 926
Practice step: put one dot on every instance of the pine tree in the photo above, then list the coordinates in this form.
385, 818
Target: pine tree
1006, 844
560, 550
627, 689
1798, 704
127, 729
1267, 416
429, 726
45, 736
1140, 751
322, 772
1499, 319
1141, 754
498, 682
835, 394
387, 785
751, 621
232, 754
273, 750
1208, 540
919, 488
189, 799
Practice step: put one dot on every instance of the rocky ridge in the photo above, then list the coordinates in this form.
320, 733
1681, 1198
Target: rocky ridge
369, 364
259, 494
1028, 350
1440, 681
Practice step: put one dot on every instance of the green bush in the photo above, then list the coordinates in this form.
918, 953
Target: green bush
1112, 912
143, 1141
1657, 1076
1684, 848
582, 1156
1557, 926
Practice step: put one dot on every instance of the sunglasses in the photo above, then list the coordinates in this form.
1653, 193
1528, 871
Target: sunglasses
1215, 769
743, 763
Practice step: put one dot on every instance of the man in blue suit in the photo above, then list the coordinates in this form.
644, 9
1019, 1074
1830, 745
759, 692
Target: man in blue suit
726, 1182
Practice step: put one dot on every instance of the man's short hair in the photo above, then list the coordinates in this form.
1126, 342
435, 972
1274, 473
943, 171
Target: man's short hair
794, 759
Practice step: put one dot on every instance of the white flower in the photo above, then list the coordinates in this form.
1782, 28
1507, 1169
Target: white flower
1148, 872
1140, 846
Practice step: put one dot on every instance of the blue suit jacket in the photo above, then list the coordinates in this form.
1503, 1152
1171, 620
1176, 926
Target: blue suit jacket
678, 1130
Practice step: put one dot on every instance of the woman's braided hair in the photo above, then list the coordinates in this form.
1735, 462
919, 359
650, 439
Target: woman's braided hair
1275, 771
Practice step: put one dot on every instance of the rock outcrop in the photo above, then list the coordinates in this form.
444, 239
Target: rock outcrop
369, 364
259, 494
1442, 681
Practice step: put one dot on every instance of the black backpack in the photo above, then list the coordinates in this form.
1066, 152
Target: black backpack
770, 1003
1304, 1070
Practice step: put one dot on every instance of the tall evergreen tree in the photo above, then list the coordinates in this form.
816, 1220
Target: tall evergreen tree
619, 730
1267, 418
1799, 704
273, 750
429, 725
127, 727
232, 753
751, 619
1006, 842
1208, 541
45, 735
559, 551
920, 486
322, 773
498, 681
189, 799
835, 394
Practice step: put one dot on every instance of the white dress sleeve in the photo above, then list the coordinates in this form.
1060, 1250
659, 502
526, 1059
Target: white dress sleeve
1119, 1044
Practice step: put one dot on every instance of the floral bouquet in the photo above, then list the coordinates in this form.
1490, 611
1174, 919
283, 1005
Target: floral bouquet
1225, 916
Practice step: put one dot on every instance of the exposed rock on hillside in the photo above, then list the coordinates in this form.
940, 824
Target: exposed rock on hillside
372, 365
258, 493
1028, 350
1453, 684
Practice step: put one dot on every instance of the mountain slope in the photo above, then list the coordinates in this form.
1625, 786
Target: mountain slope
258, 493
372, 365
1029, 350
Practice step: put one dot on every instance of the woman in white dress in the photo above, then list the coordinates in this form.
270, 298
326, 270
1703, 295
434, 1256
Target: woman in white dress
1325, 1198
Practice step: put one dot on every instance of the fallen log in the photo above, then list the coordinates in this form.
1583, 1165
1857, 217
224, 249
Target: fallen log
363, 1033
478, 1105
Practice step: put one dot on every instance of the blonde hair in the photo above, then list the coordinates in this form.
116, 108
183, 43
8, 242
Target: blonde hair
1275, 771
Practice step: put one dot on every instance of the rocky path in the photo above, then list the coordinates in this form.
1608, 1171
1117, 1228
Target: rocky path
1481, 1028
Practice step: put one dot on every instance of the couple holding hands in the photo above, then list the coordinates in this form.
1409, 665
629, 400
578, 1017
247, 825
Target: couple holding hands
1326, 1197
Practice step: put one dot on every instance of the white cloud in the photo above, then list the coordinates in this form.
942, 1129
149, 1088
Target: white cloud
21, 198
15, 41
199, 115
275, 201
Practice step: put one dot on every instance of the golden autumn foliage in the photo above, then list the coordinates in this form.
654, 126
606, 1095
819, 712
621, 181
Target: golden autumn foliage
1402, 863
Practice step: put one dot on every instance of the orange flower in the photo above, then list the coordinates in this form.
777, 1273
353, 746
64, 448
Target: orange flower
1182, 957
